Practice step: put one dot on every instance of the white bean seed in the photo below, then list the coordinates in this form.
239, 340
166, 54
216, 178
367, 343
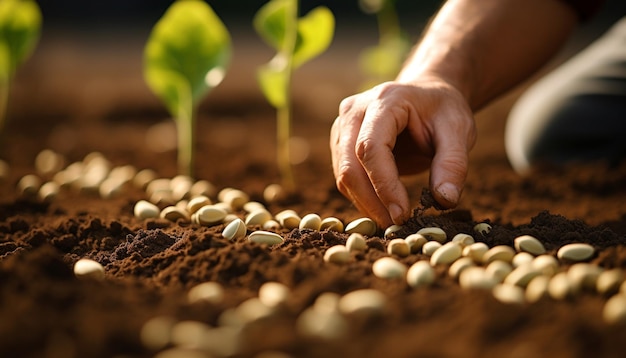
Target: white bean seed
235, 230
253, 206
388, 268
142, 179
337, 254
459, 265
310, 221
203, 187
364, 301
209, 215
498, 270
522, 258
446, 254
398, 247
476, 251
197, 202
271, 225
332, 224
211, 292
265, 238
560, 287
363, 226
430, 247
89, 269
507, 293
29, 185
146, 210
324, 325
609, 281
49, 162
537, 288
235, 198
476, 278
156, 333
614, 311
173, 213
391, 231
356, 242
258, 217
499, 252
273, 294
482, 228
522, 275
48, 191
583, 276
530, 244
420, 274
288, 219
433, 233
547, 264
576, 252
415, 241
463, 239
274, 193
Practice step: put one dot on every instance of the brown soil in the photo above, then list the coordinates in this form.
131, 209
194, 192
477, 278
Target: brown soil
47, 312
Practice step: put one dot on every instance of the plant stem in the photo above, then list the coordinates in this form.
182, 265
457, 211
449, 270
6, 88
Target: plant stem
185, 124
283, 114
4, 96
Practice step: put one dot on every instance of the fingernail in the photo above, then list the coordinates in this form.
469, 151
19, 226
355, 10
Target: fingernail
396, 213
449, 192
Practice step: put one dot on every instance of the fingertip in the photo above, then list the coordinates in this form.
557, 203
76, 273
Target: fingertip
398, 215
447, 194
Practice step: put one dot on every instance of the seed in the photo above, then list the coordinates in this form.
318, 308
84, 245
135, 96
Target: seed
530, 244
48, 162
324, 325
364, 301
459, 265
209, 215
537, 288
415, 241
327, 302
575, 252
253, 206
614, 311
161, 184
180, 186
253, 310
398, 247
559, 287
522, 275
258, 217
155, 333
363, 226
89, 269
507, 293
203, 187
271, 225
430, 247
499, 252
391, 231
235, 198
229, 218
29, 185
609, 281
476, 251
584, 276
332, 224
123, 174
110, 188
388, 268
197, 202
446, 254
420, 274
433, 233
463, 239
498, 270
223, 206
146, 210
173, 213
274, 193
265, 238
356, 242
547, 264
337, 254
522, 258
288, 219
143, 178
482, 228
48, 191
273, 294
310, 221
189, 334
235, 230
211, 292
476, 278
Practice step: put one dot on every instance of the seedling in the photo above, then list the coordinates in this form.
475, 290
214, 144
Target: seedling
296, 41
383, 61
20, 25
185, 57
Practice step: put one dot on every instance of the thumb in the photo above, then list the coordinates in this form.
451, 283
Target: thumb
448, 172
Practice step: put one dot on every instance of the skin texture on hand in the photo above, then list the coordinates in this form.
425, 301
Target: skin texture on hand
472, 51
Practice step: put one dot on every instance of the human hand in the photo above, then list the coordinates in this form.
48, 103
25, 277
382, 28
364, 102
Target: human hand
401, 128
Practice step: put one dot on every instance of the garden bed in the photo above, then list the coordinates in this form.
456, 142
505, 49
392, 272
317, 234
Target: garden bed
151, 264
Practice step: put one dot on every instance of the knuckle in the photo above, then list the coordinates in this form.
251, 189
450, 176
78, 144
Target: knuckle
346, 105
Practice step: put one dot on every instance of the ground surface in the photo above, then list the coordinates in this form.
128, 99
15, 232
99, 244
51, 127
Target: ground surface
150, 265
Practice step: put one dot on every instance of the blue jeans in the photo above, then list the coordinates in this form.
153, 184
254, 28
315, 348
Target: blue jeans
576, 113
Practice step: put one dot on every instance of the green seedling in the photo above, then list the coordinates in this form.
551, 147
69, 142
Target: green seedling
185, 57
20, 25
384, 61
296, 41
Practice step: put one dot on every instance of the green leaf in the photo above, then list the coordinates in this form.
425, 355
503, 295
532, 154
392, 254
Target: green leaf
315, 33
188, 44
20, 25
270, 22
273, 81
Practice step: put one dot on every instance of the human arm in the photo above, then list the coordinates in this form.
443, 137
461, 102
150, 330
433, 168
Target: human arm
472, 51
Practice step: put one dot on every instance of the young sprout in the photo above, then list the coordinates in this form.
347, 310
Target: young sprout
296, 41
185, 57
20, 25
383, 62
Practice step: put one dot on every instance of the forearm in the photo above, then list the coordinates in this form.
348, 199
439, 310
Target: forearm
484, 47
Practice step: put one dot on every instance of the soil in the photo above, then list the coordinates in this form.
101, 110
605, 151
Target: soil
150, 265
